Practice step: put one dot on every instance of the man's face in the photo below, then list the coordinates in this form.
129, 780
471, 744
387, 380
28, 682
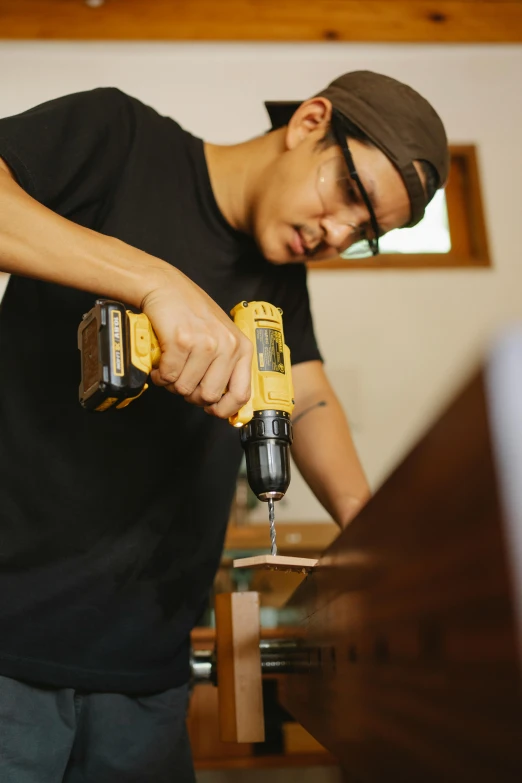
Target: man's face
308, 208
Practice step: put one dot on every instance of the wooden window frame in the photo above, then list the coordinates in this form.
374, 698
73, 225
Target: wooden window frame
469, 241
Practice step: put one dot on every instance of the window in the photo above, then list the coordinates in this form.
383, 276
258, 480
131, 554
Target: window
451, 234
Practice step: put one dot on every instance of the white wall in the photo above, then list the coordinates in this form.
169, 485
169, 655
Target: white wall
396, 343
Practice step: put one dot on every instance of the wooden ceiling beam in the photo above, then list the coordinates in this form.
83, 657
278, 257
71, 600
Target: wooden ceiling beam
406, 21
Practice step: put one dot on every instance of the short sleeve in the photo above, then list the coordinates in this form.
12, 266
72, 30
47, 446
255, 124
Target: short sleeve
291, 294
69, 152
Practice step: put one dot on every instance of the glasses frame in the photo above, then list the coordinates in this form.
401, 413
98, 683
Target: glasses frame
340, 136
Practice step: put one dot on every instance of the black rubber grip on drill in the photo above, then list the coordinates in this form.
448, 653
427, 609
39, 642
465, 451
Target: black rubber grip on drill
266, 440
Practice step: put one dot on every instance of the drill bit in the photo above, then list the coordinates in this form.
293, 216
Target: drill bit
271, 519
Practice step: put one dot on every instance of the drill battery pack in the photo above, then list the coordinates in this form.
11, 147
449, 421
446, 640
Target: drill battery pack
111, 375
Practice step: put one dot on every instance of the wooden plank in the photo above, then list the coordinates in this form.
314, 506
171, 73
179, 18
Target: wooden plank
301, 565
411, 614
467, 21
240, 691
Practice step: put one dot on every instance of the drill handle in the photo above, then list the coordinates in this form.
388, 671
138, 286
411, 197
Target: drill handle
145, 347
271, 373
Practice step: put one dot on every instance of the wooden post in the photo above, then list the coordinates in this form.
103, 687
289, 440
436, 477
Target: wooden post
240, 692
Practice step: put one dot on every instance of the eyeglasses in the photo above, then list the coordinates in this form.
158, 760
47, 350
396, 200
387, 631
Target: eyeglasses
338, 196
339, 199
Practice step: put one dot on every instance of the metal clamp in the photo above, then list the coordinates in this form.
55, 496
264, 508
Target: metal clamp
278, 656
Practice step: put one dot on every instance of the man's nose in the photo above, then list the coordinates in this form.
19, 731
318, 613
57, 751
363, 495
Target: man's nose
338, 235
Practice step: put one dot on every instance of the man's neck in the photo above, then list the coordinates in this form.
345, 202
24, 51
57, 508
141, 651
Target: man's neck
236, 175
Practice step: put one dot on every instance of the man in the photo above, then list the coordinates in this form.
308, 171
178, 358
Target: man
112, 525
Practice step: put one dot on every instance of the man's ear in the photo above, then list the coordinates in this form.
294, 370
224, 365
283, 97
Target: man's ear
311, 116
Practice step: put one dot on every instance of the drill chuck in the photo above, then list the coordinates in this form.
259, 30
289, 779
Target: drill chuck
266, 440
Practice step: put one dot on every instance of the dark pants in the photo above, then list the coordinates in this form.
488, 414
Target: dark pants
50, 735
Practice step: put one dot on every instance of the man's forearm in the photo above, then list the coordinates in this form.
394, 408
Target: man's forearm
202, 351
36, 242
324, 452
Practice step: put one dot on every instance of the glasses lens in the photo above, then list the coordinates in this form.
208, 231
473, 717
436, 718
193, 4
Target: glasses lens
360, 249
335, 190
339, 195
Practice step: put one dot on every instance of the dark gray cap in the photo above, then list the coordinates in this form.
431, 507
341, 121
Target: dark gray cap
398, 120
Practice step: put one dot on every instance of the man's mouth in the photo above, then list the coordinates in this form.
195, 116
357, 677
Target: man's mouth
304, 243
297, 244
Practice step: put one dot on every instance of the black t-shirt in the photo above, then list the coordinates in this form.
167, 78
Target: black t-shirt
112, 525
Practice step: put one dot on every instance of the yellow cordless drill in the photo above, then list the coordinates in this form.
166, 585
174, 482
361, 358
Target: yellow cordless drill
119, 349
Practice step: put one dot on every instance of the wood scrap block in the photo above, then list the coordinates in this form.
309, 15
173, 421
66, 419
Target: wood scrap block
240, 693
277, 563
